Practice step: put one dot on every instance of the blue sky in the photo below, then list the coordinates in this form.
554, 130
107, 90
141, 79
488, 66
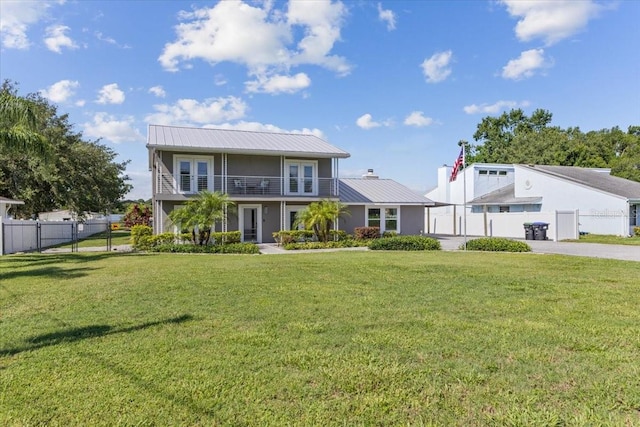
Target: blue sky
395, 83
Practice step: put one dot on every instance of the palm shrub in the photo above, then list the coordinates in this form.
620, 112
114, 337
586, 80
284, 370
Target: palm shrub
496, 244
201, 213
405, 243
320, 217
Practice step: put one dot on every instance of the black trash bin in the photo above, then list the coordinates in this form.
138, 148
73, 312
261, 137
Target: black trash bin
540, 230
528, 231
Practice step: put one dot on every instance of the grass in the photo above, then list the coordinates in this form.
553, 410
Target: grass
118, 237
340, 338
607, 239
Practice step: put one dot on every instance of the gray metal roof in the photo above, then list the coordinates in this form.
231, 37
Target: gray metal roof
11, 201
505, 196
602, 181
381, 191
240, 142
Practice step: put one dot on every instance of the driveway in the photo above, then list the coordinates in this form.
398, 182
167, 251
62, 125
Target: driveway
595, 250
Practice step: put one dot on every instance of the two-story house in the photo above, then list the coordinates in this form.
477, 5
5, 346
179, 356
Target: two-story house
270, 177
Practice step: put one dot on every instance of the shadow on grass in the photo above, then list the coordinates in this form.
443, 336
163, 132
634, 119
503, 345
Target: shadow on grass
86, 332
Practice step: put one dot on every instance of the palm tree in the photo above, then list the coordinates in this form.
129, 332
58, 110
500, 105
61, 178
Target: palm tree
320, 217
201, 213
19, 125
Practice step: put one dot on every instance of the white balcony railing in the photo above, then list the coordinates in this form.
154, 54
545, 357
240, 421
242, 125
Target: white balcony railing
245, 186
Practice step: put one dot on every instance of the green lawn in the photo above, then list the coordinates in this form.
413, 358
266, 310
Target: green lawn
118, 237
607, 239
326, 339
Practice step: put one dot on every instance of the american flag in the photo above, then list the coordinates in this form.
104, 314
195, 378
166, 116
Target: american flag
457, 166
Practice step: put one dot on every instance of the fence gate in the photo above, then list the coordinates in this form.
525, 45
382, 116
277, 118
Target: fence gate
567, 225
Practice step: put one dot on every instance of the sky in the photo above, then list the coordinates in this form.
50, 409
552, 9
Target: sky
395, 83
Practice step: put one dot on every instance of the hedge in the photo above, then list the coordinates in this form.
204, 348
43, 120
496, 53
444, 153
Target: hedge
230, 248
405, 243
496, 244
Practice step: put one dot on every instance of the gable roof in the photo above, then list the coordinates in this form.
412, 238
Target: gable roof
600, 180
240, 142
505, 196
379, 191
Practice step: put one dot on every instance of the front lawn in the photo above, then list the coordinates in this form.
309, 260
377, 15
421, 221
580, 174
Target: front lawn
607, 239
330, 339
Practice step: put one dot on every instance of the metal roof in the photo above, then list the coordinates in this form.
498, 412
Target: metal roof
505, 196
596, 179
240, 142
379, 191
10, 201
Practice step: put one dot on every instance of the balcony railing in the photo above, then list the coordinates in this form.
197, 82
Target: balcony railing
247, 186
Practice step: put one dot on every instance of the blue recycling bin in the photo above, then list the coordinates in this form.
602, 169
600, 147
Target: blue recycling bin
540, 230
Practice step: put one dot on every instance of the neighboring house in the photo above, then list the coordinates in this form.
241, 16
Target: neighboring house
5, 204
270, 177
603, 204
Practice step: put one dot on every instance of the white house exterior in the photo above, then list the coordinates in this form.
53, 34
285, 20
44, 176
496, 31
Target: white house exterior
501, 197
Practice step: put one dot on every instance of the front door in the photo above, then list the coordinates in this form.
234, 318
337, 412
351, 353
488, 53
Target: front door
250, 223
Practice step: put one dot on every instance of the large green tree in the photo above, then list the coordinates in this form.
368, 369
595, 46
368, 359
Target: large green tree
75, 174
514, 137
19, 123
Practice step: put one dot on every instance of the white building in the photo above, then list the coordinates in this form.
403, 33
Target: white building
501, 197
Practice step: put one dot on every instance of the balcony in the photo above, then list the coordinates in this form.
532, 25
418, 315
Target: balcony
247, 186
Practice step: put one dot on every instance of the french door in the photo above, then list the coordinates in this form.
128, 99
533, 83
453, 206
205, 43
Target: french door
301, 178
194, 174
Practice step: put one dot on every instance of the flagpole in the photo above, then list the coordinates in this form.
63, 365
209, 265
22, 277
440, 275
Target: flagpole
464, 191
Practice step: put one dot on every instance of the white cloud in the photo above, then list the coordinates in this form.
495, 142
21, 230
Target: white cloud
141, 182
551, 21
526, 65
279, 84
387, 16
219, 80
60, 91
436, 68
270, 49
191, 112
158, 91
366, 122
494, 108
15, 19
417, 118
108, 127
110, 94
57, 39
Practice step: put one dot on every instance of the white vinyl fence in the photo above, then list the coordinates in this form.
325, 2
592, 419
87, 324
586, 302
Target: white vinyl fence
27, 235
562, 224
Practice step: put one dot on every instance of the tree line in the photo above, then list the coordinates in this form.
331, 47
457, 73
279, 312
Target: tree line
514, 137
48, 165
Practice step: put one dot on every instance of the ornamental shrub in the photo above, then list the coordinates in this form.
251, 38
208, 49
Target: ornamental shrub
366, 233
220, 238
405, 243
284, 237
496, 244
138, 232
346, 243
231, 248
636, 231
